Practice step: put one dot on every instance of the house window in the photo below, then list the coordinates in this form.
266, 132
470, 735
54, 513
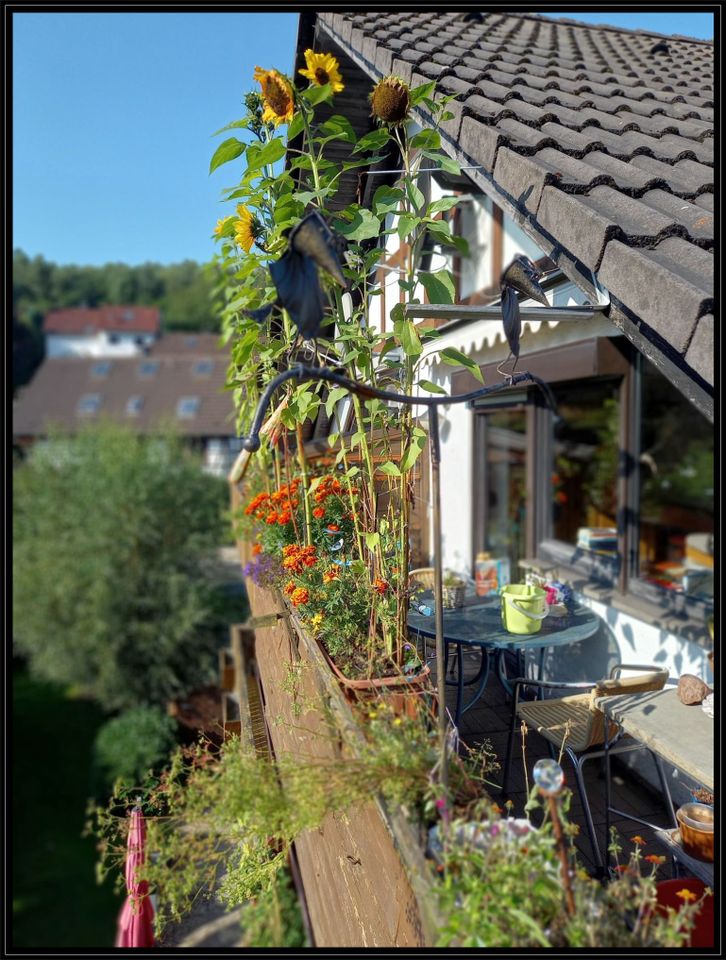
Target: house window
203, 368
89, 404
584, 479
675, 535
187, 407
147, 368
128, 315
134, 405
190, 342
101, 369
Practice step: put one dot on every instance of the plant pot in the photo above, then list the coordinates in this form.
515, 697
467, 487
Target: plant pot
702, 935
695, 822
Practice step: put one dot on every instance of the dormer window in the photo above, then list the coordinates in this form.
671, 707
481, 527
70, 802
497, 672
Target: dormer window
147, 368
187, 408
89, 404
203, 368
101, 369
134, 405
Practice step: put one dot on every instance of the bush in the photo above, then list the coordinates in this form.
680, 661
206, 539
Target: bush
131, 744
108, 588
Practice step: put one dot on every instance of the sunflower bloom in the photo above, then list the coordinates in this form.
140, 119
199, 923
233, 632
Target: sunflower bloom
244, 231
277, 96
322, 68
390, 101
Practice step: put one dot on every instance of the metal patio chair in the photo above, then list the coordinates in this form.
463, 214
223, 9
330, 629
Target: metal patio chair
586, 737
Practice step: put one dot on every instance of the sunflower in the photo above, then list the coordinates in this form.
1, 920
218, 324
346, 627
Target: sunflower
277, 96
322, 68
244, 231
390, 100
221, 225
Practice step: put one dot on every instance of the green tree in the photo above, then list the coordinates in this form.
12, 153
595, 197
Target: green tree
131, 744
110, 531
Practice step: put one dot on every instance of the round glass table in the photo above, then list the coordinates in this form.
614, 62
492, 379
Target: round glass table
478, 626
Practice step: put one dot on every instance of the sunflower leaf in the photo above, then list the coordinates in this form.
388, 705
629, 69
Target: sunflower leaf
455, 358
260, 156
363, 226
373, 140
431, 387
315, 94
227, 150
439, 286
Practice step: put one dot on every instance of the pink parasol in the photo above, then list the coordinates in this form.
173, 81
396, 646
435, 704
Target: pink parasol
135, 922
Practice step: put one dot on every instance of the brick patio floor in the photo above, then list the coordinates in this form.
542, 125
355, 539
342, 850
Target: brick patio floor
489, 720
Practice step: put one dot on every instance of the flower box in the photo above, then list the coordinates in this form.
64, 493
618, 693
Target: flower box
363, 872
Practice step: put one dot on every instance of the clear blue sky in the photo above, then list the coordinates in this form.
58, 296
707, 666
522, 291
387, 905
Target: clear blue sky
113, 115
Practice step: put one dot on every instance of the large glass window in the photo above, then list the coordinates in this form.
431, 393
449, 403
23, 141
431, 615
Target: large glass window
585, 454
505, 479
675, 530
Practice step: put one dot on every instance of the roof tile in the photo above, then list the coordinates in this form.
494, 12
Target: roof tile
681, 179
698, 224
480, 141
632, 275
700, 353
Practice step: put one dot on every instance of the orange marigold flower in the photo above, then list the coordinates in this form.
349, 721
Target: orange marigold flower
654, 858
290, 548
256, 548
331, 574
639, 840
289, 587
298, 596
621, 867
318, 513
334, 527
380, 586
271, 518
686, 895
284, 518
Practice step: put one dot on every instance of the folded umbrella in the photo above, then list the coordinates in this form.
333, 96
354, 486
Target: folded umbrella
136, 920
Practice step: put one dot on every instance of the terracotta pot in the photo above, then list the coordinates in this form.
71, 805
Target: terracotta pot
702, 934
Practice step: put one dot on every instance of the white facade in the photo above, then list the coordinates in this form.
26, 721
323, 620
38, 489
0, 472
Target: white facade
101, 343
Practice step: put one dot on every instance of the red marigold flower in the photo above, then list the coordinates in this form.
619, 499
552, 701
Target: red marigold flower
334, 527
298, 596
289, 587
271, 518
380, 586
318, 513
256, 548
284, 518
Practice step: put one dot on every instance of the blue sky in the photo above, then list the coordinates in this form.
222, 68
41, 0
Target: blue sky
113, 115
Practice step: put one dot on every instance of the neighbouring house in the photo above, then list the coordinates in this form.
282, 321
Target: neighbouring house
112, 331
590, 150
179, 381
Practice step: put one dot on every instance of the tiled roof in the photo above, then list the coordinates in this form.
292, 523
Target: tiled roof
116, 319
599, 140
187, 344
54, 393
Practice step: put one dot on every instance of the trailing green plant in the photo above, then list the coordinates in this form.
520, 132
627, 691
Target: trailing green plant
274, 918
133, 743
500, 889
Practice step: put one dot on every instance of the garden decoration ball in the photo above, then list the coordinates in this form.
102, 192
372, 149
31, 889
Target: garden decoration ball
549, 776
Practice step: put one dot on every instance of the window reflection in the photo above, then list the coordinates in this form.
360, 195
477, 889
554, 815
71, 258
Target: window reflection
676, 490
584, 493
506, 458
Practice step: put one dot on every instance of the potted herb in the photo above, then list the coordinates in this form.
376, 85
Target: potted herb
454, 590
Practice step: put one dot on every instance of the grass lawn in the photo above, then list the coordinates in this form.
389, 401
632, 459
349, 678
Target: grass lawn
56, 901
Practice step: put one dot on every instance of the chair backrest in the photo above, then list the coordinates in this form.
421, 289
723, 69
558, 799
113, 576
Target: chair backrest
423, 577
651, 681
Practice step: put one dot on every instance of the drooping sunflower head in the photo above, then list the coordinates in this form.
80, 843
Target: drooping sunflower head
390, 100
322, 68
277, 96
246, 228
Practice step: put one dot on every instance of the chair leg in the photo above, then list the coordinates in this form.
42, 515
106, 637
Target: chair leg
577, 763
665, 787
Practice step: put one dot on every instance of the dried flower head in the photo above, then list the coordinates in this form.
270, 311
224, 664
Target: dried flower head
322, 68
390, 100
277, 96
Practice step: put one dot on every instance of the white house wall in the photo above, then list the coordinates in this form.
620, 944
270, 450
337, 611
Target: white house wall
95, 345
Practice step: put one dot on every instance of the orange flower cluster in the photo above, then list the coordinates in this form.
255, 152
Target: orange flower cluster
380, 586
290, 587
318, 513
295, 558
275, 507
329, 486
256, 549
298, 596
333, 573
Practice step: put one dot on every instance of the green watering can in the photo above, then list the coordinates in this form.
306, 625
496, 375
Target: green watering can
523, 608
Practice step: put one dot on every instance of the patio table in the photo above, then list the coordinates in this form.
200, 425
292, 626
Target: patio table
478, 626
681, 735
